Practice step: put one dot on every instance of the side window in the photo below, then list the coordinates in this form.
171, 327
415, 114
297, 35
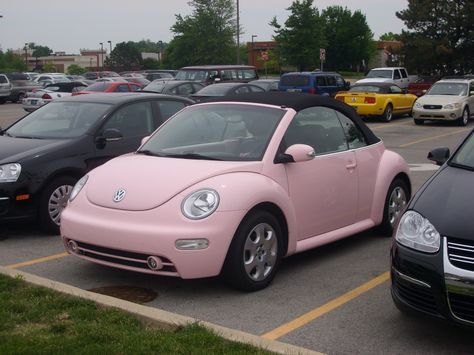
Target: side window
404, 73
354, 136
3, 79
196, 88
132, 120
168, 108
185, 89
122, 88
255, 88
396, 74
320, 81
135, 87
318, 127
330, 80
242, 90
340, 81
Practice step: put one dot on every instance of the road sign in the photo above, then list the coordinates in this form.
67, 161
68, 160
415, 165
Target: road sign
264, 55
322, 53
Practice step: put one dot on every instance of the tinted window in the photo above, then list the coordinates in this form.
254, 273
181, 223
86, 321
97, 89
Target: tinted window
122, 88
395, 89
465, 155
321, 81
101, 86
340, 81
132, 120
3, 79
169, 107
331, 80
294, 80
249, 74
404, 73
354, 136
318, 127
396, 74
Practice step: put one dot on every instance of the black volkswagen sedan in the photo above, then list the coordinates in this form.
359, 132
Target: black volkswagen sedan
43, 154
432, 256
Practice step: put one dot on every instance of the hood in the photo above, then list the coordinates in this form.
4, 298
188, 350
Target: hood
151, 181
448, 201
439, 99
16, 150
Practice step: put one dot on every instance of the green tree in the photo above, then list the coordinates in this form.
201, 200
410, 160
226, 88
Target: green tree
40, 51
150, 63
75, 69
300, 39
204, 37
125, 56
389, 36
349, 38
439, 40
49, 68
11, 62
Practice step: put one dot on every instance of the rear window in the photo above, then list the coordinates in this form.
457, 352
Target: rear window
17, 76
294, 80
101, 86
3, 79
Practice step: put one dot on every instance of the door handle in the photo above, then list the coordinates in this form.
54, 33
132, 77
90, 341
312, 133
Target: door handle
351, 165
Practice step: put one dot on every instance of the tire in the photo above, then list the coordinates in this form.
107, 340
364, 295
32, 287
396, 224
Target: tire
464, 119
252, 261
395, 202
388, 113
20, 97
52, 201
419, 122
2, 101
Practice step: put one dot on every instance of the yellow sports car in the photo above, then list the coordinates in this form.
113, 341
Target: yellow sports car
378, 99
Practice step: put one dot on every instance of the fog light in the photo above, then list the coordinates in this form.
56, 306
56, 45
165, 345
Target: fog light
191, 244
453, 115
154, 263
72, 246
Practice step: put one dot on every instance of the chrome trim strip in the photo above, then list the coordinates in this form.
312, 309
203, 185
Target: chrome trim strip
411, 279
4, 198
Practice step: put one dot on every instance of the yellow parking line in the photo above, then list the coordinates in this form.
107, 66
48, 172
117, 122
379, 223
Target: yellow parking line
385, 125
37, 261
435, 137
317, 312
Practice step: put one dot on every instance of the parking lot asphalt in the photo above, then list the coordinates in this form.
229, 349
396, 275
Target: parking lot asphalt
334, 299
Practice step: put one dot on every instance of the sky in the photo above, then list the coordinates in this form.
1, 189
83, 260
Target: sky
69, 26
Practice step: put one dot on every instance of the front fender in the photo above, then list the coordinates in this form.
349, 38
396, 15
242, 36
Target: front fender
391, 165
242, 191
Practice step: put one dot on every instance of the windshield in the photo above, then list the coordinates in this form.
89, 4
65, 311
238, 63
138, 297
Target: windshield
214, 90
455, 89
59, 120
465, 155
158, 86
230, 132
380, 74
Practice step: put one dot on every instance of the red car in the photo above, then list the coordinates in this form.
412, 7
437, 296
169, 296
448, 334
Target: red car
109, 86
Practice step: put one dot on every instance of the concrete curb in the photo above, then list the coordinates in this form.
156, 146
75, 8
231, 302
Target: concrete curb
163, 319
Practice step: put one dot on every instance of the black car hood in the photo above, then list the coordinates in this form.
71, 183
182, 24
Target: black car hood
447, 201
14, 150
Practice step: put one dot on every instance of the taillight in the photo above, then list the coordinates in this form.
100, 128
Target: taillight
340, 98
46, 97
369, 100
312, 91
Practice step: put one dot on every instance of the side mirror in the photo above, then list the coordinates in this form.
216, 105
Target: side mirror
300, 152
109, 135
439, 155
144, 140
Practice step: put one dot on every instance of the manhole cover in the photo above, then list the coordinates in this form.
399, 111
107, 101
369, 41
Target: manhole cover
127, 293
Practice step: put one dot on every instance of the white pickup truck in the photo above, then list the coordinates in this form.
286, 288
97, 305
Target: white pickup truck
397, 75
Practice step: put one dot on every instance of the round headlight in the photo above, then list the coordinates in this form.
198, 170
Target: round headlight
418, 105
200, 204
78, 187
415, 231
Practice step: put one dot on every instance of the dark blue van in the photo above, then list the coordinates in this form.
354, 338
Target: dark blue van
315, 82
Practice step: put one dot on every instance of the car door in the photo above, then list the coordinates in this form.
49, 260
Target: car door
130, 121
402, 102
324, 190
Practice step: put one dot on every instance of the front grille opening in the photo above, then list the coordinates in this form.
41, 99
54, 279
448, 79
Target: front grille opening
417, 296
461, 253
462, 306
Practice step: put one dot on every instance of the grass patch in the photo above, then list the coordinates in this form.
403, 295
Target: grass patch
36, 320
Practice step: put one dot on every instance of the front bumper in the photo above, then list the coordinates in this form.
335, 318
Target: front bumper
17, 202
126, 239
31, 104
432, 285
441, 114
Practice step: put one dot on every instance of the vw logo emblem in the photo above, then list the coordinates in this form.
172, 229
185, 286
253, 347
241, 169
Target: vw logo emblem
119, 195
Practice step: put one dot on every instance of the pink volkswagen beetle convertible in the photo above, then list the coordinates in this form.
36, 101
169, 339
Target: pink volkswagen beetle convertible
230, 187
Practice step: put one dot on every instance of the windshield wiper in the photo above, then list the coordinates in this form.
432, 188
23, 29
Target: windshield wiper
149, 152
461, 166
190, 156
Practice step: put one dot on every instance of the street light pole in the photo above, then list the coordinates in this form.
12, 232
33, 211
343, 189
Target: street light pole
253, 50
26, 55
238, 34
101, 54
110, 44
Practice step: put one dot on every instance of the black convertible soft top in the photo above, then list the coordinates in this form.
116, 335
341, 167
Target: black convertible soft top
301, 101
